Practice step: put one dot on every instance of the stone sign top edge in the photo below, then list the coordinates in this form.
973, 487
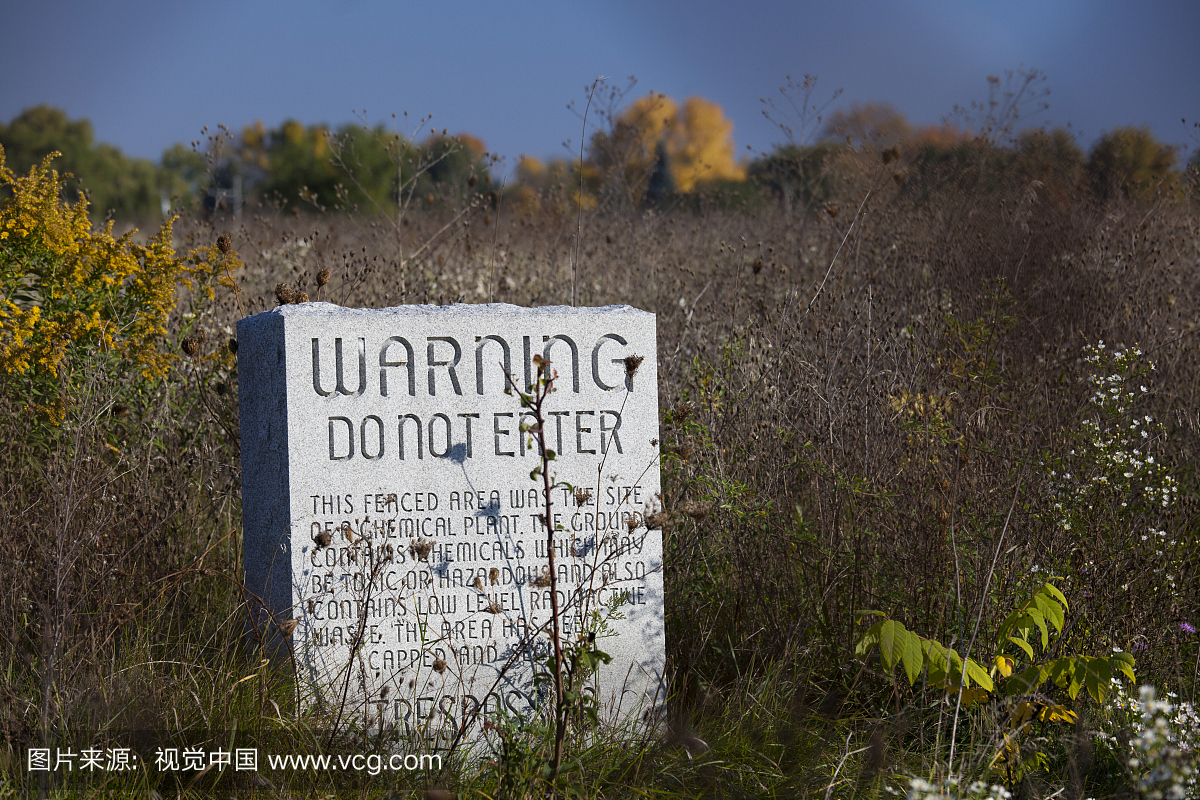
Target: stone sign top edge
320, 309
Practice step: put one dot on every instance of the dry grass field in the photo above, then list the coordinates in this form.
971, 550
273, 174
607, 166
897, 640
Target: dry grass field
926, 391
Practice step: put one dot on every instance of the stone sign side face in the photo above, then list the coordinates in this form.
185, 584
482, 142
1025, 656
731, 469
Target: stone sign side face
389, 510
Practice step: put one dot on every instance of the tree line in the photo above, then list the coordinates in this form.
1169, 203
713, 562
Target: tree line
650, 151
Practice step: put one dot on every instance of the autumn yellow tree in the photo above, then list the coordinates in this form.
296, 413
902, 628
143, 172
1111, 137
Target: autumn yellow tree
696, 137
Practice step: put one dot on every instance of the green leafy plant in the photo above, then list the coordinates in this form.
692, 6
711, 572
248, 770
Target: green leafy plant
1023, 633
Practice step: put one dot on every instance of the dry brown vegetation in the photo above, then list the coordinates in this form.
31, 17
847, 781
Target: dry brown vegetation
861, 404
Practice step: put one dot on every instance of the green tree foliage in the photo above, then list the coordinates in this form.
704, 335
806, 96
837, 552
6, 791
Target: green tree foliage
293, 163
1131, 162
183, 173
877, 125
449, 167
798, 176
358, 166
126, 187
1053, 158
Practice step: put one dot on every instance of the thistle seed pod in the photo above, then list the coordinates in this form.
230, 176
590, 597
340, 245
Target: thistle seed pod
631, 365
283, 294
300, 297
224, 243
323, 276
191, 346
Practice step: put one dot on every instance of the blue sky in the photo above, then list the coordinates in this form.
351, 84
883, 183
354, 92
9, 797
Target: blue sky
148, 74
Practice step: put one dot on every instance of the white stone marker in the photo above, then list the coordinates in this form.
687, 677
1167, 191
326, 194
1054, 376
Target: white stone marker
387, 505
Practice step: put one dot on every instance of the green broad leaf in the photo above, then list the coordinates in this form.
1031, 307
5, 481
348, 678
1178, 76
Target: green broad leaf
939, 665
978, 674
955, 660
1022, 624
954, 671
1052, 590
1077, 677
1024, 682
892, 636
1050, 609
1123, 663
550, 454
913, 657
1024, 645
869, 640
1061, 671
860, 614
1096, 678
1040, 621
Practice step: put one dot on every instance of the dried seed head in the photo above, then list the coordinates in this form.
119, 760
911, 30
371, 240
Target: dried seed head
323, 276
233, 346
439, 666
224, 243
288, 627
657, 521
221, 388
493, 576
832, 209
492, 607
420, 549
300, 297
697, 510
891, 154
384, 692
471, 181
582, 496
542, 581
633, 522
631, 365
120, 410
898, 176
478, 583
323, 539
191, 346
283, 294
